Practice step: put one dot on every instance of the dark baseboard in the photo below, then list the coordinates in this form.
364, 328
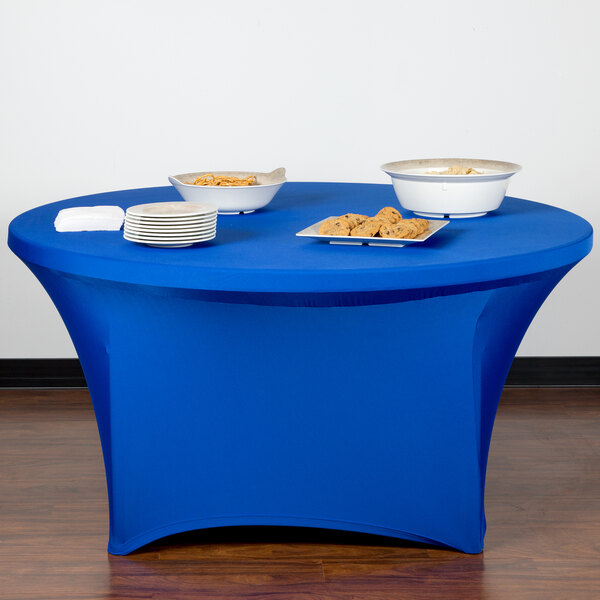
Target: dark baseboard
41, 373
544, 371
554, 371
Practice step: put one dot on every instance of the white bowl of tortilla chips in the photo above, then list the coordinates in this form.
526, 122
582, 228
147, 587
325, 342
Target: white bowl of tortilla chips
233, 192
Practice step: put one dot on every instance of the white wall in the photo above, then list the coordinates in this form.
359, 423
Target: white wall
105, 95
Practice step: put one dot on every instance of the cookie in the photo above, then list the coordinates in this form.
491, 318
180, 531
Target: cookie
414, 227
337, 226
423, 224
369, 228
418, 225
398, 230
389, 214
354, 220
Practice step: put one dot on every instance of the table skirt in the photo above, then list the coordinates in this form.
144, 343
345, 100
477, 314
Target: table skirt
374, 418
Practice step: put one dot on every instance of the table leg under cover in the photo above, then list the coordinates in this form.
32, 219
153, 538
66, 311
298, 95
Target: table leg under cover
371, 418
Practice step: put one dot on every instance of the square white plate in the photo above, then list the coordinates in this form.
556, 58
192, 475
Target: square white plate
348, 240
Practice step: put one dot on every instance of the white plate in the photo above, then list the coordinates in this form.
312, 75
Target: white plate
158, 237
170, 226
169, 243
166, 238
186, 233
192, 221
174, 220
195, 233
349, 240
170, 223
234, 199
179, 238
166, 210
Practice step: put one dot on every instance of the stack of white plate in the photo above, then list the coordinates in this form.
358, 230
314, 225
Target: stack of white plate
170, 224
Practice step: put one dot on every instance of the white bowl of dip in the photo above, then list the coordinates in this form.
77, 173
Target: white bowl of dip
422, 187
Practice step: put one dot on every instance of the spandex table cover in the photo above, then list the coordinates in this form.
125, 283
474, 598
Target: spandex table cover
267, 379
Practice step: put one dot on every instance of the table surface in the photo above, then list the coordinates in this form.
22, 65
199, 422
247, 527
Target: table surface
260, 252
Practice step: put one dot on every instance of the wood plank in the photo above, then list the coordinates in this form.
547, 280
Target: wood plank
542, 502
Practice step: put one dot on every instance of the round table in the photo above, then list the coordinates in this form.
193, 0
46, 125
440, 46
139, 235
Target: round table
267, 379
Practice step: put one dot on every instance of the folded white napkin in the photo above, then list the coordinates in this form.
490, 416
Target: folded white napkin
90, 218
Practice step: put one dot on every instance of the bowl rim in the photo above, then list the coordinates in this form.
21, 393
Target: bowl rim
500, 167
177, 179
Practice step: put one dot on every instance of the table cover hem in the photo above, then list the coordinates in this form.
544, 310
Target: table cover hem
136, 542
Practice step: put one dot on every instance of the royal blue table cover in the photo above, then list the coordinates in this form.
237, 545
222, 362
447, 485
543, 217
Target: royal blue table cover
262, 378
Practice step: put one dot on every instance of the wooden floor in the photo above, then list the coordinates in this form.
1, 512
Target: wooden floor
542, 499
